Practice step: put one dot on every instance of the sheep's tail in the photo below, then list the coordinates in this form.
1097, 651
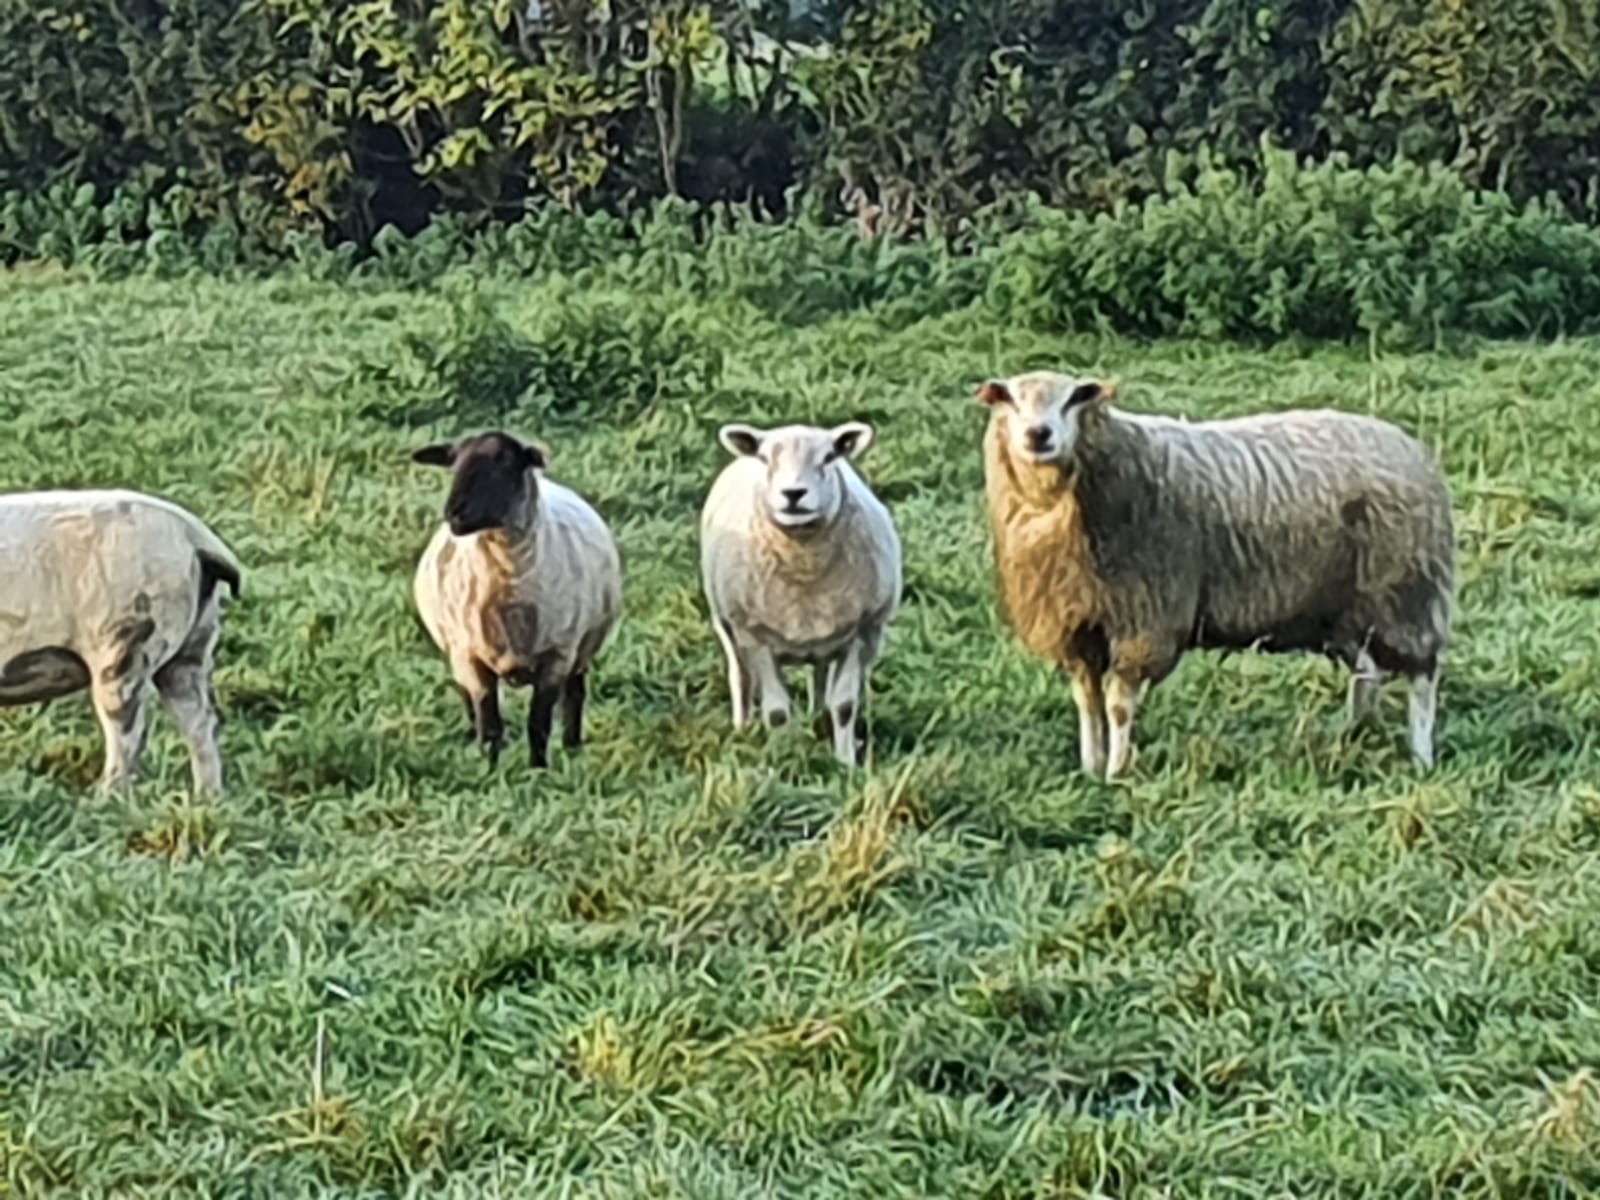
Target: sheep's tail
218, 564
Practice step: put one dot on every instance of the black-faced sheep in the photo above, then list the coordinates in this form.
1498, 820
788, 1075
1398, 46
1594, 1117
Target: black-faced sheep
1122, 540
521, 583
801, 564
111, 591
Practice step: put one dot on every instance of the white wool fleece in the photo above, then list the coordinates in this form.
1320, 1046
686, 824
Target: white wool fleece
111, 590
538, 604
800, 562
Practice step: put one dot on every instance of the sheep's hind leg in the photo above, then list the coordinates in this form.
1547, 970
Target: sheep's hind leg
184, 683
846, 685
119, 703
1364, 685
776, 708
1089, 698
1122, 705
1423, 714
819, 686
541, 715
573, 696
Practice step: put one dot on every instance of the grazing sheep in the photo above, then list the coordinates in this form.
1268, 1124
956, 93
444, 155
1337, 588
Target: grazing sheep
522, 582
110, 591
1121, 540
800, 564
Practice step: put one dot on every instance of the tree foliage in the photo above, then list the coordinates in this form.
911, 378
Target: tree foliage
346, 117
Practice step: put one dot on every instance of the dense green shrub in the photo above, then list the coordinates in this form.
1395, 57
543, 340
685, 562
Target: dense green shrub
580, 353
1400, 253
614, 353
477, 367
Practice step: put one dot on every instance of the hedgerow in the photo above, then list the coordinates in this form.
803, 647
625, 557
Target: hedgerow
1400, 254
1404, 254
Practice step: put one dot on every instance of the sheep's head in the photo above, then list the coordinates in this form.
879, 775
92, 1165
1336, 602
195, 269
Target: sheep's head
804, 465
494, 486
1041, 414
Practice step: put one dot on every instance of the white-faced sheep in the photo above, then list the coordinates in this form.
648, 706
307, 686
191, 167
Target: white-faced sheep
111, 591
1122, 540
800, 564
521, 583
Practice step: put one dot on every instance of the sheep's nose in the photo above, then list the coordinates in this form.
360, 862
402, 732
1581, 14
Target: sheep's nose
1038, 437
794, 496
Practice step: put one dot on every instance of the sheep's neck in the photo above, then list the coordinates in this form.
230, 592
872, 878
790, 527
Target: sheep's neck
1049, 591
511, 553
806, 555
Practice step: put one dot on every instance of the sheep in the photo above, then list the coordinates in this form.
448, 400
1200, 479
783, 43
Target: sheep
111, 590
800, 563
522, 583
1122, 540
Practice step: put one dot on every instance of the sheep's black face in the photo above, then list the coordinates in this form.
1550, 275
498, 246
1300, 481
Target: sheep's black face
494, 485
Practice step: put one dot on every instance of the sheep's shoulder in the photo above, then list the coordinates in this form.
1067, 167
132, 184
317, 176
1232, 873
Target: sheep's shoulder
462, 587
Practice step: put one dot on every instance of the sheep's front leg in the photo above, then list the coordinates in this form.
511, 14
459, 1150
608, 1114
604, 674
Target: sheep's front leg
1090, 700
119, 703
482, 687
573, 697
775, 706
739, 681
1122, 705
846, 683
541, 714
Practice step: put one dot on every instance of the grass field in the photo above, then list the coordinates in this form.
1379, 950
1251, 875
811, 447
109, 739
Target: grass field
1275, 962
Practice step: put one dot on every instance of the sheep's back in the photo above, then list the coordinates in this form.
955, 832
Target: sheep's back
1307, 526
83, 570
575, 585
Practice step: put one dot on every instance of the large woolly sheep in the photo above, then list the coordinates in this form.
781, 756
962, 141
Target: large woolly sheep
1122, 540
521, 583
111, 591
801, 564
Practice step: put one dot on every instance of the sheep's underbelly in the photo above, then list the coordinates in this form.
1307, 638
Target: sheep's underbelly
790, 653
37, 675
798, 639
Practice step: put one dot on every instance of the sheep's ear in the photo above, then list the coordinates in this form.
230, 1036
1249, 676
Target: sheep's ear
1091, 391
740, 439
441, 455
992, 392
852, 438
536, 456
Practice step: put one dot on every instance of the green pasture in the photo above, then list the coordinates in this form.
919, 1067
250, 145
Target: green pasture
1277, 961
